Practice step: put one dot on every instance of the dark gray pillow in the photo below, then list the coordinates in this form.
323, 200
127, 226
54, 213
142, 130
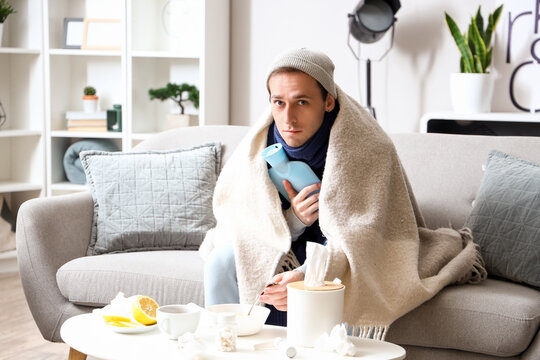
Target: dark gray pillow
72, 163
156, 200
505, 219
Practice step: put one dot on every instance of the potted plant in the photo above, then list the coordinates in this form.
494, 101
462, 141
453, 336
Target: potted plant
5, 10
472, 88
179, 94
90, 99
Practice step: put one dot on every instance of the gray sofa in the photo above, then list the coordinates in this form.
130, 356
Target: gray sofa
495, 319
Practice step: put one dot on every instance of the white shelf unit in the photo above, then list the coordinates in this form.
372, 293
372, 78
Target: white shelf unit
68, 72
40, 81
78, 52
22, 156
85, 134
195, 51
65, 187
147, 72
8, 50
155, 51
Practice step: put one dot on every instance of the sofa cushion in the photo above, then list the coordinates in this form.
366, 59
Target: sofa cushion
505, 219
422, 353
495, 317
170, 277
151, 200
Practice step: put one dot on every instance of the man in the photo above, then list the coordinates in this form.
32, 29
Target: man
300, 105
365, 211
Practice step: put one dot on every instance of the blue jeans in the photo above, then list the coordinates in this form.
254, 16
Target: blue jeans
220, 282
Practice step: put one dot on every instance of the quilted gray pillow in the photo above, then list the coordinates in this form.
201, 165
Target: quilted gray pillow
505, 219
156, 200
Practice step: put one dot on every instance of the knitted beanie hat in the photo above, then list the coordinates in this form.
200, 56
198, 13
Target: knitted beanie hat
315, 64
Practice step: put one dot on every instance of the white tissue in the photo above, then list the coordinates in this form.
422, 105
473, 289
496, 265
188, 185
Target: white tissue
316, 258
119, 306
192, 347
277, 343
338, 341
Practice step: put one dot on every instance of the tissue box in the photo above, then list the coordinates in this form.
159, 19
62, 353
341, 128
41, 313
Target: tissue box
313, 311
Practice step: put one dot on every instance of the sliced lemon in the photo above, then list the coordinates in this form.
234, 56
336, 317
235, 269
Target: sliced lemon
113, 318
144, 310
123, 323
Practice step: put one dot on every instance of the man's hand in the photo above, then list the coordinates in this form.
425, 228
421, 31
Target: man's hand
277, 294
306, 208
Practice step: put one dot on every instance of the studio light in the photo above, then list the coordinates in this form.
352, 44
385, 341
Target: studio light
3, 116
368, 23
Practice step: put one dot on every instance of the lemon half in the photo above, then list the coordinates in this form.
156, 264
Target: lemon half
144, 310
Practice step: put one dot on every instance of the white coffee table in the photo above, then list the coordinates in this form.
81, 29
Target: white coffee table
88, 335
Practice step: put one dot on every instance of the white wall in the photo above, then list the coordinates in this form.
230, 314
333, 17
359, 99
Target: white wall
413, 78
525, 46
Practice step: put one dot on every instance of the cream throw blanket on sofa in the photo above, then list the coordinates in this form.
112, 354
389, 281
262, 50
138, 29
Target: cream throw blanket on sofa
378, 245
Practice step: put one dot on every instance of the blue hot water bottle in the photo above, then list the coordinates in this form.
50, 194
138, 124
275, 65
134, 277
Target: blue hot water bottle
298, 173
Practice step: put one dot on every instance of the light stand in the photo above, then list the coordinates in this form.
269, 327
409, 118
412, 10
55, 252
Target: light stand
368, 60
370, 108
368, 23
3, 116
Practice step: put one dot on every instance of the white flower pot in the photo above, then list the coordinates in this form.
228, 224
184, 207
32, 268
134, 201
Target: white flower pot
181, 120
90, 105
1, 32
471, 93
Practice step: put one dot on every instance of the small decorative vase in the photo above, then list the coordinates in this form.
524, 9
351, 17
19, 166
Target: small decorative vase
114, 118
471, 93
181, 120
90, 103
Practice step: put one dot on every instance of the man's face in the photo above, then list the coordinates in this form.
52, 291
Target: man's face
297, 106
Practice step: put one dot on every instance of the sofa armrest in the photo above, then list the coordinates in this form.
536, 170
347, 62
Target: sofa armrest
51, 232
533, 352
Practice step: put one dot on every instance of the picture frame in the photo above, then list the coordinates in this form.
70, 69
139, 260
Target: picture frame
73, 33
102, 34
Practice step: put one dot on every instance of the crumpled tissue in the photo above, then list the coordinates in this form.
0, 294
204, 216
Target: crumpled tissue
192, 347
277, 343
316, 258
119, 306
338, 341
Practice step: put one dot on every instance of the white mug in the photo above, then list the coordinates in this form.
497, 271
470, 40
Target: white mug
312, 311
176, 320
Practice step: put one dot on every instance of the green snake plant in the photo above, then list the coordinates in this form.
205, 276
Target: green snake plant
475, 44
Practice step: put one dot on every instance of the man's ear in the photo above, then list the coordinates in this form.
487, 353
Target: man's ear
329, 103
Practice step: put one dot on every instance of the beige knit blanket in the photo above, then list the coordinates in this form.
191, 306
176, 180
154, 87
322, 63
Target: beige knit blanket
389, 262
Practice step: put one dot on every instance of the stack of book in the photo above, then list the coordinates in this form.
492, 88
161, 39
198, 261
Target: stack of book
86, 121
